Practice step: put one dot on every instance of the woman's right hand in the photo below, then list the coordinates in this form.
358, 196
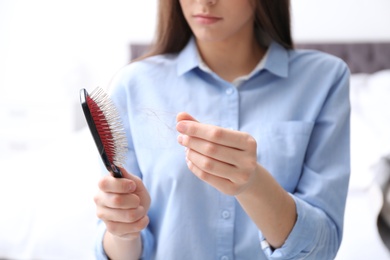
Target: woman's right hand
123, 203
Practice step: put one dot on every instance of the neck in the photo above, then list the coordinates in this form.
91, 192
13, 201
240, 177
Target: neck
233, 58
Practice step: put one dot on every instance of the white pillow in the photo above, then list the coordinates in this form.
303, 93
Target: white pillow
370, 125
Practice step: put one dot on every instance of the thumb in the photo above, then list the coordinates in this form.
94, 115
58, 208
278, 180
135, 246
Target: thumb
128, 175
140, 189
132, 177
185, 116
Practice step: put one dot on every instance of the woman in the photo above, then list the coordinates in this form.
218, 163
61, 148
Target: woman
265, 166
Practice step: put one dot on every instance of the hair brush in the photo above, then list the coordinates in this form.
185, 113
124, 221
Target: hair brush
106, 128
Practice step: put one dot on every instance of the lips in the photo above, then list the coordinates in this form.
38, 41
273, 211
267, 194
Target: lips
206, 19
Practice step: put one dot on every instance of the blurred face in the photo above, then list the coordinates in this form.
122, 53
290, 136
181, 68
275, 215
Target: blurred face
219, 20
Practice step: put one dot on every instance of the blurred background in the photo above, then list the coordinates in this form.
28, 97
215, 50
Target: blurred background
49, 50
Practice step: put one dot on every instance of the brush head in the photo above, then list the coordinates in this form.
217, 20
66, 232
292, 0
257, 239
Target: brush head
106, 128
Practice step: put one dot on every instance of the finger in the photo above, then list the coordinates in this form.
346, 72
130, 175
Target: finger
117, 200
211, 166
120, 215
236, 174
125, 229
184, 116
222, 184
216, 151
215, 134
116, 185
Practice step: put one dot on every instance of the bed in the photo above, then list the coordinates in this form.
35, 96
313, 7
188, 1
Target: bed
46, 198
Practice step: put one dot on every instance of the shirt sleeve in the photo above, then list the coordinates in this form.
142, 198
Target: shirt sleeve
100, 254
321, 193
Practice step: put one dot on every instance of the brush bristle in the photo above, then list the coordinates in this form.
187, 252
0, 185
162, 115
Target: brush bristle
109, 126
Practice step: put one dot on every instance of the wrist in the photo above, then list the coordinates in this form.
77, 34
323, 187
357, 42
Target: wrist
127, 247
253, 185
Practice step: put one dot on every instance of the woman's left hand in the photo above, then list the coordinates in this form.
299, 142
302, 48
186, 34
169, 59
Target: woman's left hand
224, 158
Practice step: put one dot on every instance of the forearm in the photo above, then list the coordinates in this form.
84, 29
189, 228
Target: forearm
117, 248
270, 207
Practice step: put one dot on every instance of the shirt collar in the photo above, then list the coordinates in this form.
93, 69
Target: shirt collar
188, 58
277, 61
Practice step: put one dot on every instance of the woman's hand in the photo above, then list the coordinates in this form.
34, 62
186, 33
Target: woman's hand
123, 203
226, 159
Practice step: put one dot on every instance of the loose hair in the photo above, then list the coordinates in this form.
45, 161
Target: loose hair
272, 22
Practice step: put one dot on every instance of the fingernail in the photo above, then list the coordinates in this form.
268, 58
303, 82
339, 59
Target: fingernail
181, 127
188, 163
180, 139
131, 186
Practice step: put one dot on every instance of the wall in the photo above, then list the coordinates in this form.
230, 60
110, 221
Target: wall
341, 20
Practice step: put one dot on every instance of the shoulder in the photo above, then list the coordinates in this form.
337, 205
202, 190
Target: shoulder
143, 72
144, 75
317, 62
159, 64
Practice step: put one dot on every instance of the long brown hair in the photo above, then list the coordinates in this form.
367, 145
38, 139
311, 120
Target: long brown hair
272, 22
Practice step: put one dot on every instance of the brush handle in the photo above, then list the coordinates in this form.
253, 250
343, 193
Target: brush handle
116, 172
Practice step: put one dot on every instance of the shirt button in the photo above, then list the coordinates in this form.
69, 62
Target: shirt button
224, 257
229, 91
225, 214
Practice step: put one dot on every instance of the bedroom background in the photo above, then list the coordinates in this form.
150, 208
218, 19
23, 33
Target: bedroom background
49, 50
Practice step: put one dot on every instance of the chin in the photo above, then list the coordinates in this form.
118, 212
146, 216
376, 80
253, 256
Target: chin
208, 38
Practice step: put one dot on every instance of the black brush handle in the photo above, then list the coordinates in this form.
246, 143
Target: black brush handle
116, 172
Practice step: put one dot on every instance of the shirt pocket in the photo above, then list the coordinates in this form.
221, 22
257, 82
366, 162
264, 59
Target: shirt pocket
282, 148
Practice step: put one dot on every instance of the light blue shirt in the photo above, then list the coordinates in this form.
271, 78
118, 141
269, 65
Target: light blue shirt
297, 108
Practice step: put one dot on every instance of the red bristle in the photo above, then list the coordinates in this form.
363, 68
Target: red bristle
103, 128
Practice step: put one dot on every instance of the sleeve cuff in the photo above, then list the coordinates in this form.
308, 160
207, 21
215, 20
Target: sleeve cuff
147, 244
303, 238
